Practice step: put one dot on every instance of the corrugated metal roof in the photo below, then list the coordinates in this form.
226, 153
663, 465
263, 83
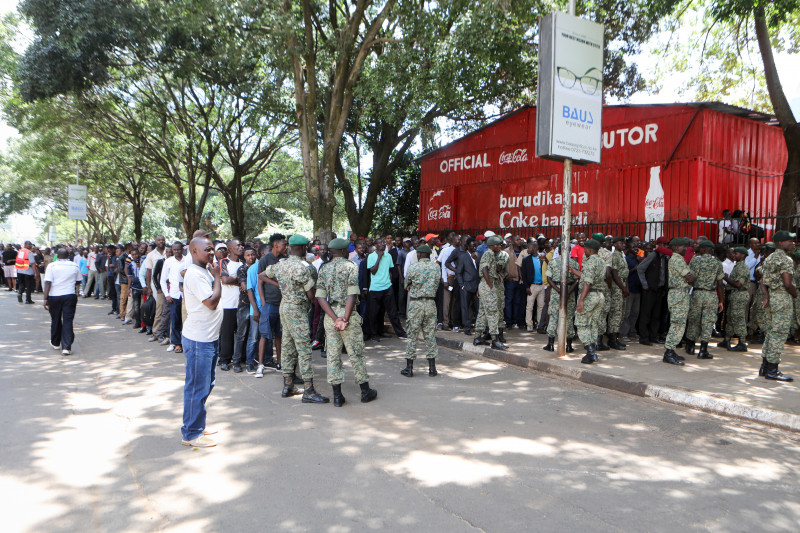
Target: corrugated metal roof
714, 106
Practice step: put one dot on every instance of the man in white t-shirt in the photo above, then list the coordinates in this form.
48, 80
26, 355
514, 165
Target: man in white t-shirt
229, 266
171, 281
152, 290
62, 279
202, 291
91, 281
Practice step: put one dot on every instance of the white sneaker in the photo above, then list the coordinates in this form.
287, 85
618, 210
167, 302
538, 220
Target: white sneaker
516, 326
260, 371
66, 352
455, 329
55, 347
530, 328
171, 347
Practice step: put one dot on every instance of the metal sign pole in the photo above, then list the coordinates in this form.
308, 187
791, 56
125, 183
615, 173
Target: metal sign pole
77, 175
566, 214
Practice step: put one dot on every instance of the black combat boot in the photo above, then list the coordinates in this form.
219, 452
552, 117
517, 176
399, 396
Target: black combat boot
549, 347
408, 371
288, 386
689, 347
741, 347
672, 358
338, 398
497, 344
613, 342
725, 343
367, 394
763, 370
310, 395
619, 342
570, 349
478, 341
703, 353
772, 372
600, 346
501, 336
296, 379
432, 368
591, 355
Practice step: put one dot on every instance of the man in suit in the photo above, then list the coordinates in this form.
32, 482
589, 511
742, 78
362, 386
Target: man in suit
465, 264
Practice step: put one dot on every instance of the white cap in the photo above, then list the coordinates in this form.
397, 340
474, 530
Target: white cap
488, 234
221, 245
508, 236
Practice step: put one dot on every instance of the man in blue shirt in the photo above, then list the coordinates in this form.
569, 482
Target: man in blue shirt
380, 299
534, 283
634, 299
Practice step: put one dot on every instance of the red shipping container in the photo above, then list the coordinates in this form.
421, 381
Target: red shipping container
659, 163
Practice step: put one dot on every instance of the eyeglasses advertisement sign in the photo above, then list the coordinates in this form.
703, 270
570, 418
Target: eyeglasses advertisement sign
570, 94
76, 202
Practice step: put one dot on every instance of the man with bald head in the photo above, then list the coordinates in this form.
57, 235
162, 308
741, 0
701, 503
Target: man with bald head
202, 291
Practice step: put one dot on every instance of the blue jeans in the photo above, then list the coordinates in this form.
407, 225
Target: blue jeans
201, 367
175, 321
252, 342
511, 307
270, 324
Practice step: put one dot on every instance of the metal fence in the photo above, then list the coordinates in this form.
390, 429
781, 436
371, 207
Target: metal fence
761, 228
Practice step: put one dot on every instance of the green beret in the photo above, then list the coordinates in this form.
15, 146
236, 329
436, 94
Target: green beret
679, 241
493, 240
618, 239
741, 250
796, 255
338, 244
592, 244
705, 244
599, 237
423, 249
297, 240
782, 235
770, 245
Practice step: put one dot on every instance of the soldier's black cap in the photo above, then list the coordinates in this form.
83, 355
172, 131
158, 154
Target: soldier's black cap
591, 243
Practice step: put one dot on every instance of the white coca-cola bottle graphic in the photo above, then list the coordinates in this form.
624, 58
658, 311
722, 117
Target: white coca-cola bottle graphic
654, 205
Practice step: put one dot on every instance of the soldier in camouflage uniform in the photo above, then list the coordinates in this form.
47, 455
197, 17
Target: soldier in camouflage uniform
602, 317
619, 291
738, 297
296, 283
680, 282
554, 281
591, 300
337, 294
778, 291
707, 298
758, 315
422, 282
796, 283
489, 313
500, 289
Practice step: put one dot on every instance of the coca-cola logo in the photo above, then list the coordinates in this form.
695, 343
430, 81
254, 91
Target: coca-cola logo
439, 214
654, 203
521, 154
437, 193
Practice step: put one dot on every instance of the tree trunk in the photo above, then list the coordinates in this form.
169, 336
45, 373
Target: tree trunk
790, 190
138, 215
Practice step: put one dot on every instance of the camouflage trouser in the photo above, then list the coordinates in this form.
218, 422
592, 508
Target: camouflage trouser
351, 338
488, 312
421, 317
796, 322
602, 316
702, 315
553, 313
780, 304
617, 310
737, 309
588, 322
500, 289
678, 305
756, 313
296, 340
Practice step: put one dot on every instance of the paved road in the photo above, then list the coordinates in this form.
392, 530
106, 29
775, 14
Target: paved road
91, 442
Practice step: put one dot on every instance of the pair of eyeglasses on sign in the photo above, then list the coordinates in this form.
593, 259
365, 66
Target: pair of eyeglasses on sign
590, 82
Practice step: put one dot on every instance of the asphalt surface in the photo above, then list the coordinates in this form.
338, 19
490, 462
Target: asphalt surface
91, 442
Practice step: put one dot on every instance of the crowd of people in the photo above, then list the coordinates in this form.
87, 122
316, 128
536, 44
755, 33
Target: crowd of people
256, 306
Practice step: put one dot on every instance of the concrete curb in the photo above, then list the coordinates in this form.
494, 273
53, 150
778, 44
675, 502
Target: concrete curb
675, 396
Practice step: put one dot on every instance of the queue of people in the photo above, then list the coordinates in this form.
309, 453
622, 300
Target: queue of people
261, 306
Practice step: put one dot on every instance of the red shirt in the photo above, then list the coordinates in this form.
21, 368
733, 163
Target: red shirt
577, 252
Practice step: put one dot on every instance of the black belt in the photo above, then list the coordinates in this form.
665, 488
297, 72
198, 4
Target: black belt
705, 290
424, 298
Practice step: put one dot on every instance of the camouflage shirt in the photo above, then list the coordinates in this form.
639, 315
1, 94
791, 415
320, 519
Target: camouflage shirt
554, 270
740, 273
502, 264
337, 280
294, 279
708, 271
594, 272
619, 264
489, 261
424, 277
676, 272
777, 264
